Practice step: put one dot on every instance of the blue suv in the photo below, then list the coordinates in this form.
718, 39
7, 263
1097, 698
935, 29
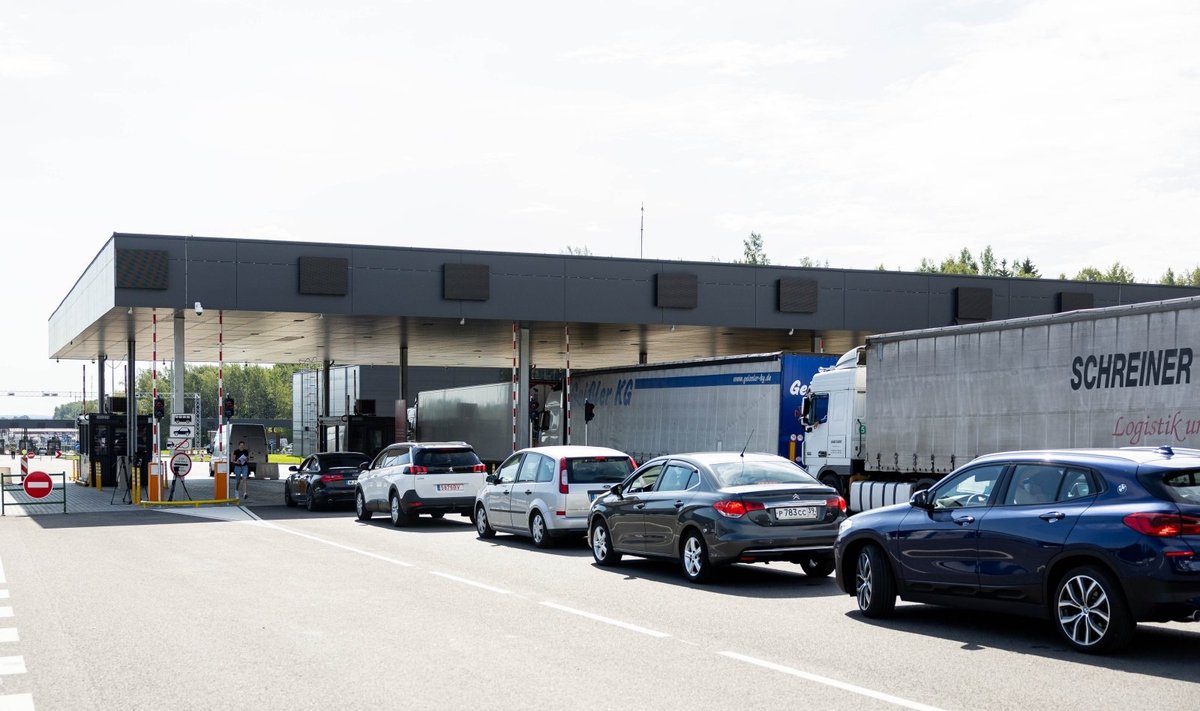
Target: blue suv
1095, 540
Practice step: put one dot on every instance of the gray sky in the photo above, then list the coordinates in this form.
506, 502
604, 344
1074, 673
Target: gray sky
852, 132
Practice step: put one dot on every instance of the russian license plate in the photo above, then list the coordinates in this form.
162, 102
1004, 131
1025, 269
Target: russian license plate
795, 513
449, 487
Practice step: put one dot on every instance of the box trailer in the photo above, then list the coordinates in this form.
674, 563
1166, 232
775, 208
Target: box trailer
897, 414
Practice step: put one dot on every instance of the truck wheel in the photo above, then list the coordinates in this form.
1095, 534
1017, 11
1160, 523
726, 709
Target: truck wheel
873, 584
832, 480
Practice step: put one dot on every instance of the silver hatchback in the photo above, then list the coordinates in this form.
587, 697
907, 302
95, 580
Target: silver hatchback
546, 492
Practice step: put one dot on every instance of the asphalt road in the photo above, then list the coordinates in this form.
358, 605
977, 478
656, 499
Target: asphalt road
278, 608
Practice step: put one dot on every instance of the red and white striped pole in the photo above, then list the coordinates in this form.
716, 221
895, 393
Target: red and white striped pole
514, 386
567, 397
157, 451
220, 445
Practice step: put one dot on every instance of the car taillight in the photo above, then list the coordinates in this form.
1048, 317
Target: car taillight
479, 468
332, 477
632, 464
736, 509
418, 470
1163, 525
836, 502
562, 475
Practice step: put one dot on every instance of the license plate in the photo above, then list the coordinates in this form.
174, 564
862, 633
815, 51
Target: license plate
449, 487
350, 482
794, 513
593, 494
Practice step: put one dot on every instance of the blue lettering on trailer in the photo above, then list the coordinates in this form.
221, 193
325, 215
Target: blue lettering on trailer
707, 381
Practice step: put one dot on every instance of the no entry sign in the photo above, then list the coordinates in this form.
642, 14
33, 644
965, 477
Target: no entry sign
181, 464
38, 485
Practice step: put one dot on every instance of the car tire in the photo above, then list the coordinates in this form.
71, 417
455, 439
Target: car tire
1090, 613
538, 531
396, 507
693, 558
310, 502
602, 545
817, 567
874, 587
360, 507
287, 495
483, 527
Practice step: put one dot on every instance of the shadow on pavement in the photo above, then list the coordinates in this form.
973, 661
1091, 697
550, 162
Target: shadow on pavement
1168, 651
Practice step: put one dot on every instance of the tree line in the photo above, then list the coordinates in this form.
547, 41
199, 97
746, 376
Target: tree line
964, 262
259, 392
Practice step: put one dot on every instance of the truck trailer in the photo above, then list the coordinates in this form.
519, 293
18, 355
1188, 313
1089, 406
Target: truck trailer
892, 417
749, 402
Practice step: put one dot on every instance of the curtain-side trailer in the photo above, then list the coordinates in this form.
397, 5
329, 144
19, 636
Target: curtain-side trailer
896, 415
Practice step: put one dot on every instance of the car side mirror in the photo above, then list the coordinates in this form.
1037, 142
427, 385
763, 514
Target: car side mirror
491, 478
363, 466
616, 489
293, 468
921, 499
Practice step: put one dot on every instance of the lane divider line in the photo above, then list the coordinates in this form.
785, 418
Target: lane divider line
6, 611
3, 580
4, 594
816, 678
16, 702
464, 581
12, 665
342, 546
9, 634
607, 620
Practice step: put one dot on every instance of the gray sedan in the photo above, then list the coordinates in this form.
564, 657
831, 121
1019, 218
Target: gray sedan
716, 508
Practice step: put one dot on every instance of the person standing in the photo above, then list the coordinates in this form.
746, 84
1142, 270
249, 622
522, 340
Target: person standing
240, 458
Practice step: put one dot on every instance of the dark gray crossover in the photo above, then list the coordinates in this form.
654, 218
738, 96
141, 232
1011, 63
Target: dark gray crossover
710, 509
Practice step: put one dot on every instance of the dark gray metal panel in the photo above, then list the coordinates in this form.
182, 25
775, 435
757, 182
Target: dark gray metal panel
466, 282
1075, 300
597, 289
398, 281
326, 276
141, 269
799, 296
676, 290
726, 295
523, 288
885, 301
831, 299
972, 304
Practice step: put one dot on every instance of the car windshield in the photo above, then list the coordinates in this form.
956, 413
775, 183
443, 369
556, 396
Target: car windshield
334, 461
445, 458
598, 470
745, 473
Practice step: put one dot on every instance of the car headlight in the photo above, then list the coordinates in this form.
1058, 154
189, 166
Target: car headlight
845, 525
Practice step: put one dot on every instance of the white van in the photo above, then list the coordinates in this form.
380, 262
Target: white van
255, 437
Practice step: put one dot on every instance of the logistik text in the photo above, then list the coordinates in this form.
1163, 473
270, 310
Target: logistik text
1167, 366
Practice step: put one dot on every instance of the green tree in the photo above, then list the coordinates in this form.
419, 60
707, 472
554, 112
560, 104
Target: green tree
752, 250
71, 410
581, 250
810, 263
1116, 274
1190, 277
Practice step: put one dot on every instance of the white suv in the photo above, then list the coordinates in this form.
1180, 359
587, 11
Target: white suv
411, 478
545, 492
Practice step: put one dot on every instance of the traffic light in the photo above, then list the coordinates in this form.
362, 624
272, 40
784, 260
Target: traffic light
160, 408
589, 411
227, 407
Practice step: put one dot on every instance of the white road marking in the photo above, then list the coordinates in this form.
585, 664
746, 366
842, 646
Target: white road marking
3, 580
344, 547
6, 611
606, 620
12, 665
861, 691
464, 581
4, 594
8, 634
16, 702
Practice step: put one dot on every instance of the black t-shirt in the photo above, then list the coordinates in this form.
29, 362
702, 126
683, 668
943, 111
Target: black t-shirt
238, 454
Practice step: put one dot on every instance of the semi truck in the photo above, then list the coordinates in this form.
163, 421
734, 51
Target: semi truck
894, 416
748, 402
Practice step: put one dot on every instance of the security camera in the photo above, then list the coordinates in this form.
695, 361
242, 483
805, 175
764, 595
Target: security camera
199, 309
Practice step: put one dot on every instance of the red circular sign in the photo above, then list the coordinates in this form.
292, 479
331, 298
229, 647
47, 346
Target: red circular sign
38, 485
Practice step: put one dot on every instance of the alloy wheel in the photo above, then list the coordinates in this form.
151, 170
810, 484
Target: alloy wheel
693, 557
600, 542
864, 581
1084, 610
